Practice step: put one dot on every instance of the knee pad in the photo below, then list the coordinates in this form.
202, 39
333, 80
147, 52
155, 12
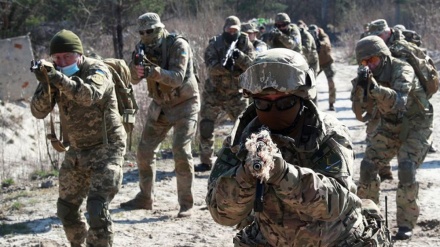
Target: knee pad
368, 171
68, 213
99, 216
407, 172
206, 128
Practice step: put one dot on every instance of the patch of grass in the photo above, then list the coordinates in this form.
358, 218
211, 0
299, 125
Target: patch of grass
14, 228
44, 174
16, 206
8, 182
14, 197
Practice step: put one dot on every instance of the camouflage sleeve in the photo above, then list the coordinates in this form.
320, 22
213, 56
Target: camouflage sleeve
247, 55
393, 99
213, 61
42, 103
313, 194
311, 53
89, 90
179, 57
292, 41
228, 202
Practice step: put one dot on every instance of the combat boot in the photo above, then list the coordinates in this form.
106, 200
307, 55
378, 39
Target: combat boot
202, 167
184, 212
138, 203
403, 233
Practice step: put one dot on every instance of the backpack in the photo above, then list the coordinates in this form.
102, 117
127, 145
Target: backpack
424, 67
127, 105
412, 37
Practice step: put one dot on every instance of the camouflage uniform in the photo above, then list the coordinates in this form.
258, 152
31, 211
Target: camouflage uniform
289, 38
404, 129
250, 28
309, 49
309, 199
92, 167
221, 90
395, 41
174, 90
326, 61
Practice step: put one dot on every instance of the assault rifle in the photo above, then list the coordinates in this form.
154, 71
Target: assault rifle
228, 57
260, 161
363, 73
154, 88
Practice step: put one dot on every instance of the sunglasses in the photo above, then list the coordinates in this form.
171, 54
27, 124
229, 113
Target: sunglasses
280, 25
149, 31
371, 60
281, 104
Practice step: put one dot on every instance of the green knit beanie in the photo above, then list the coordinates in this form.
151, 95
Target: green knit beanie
65, 41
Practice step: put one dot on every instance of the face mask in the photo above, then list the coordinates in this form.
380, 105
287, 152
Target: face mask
153, 38
69, 70
278, 120
230, 37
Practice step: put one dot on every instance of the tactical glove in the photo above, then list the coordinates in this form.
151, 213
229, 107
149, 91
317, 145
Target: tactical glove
236, 53
244, 177
229, 64
278, 171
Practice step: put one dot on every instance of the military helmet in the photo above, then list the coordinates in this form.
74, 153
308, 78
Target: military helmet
282, 17
149, 21
249, 27
232, 22
279, 69
400, 27
371, 46
378, 26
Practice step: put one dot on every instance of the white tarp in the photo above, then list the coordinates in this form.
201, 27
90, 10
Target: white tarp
16, 80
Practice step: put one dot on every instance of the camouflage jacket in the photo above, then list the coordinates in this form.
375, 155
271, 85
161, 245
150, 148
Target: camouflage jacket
177, 73
325, 50
399, 92
290, 40
84, 101
221, 79
309, 50
313, 205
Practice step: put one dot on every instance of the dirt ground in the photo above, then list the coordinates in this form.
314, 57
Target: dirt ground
27, 212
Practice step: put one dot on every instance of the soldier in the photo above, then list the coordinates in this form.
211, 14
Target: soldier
284, 34
326, 60
167, 65
308, 197
252, 31
404, 129
309, 48
92, 167
221, 91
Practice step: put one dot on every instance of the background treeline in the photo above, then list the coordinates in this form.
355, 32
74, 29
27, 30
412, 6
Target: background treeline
108, 26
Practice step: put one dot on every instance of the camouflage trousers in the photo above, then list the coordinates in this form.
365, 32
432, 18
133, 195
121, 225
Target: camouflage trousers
410, 142
155, 131
212, 108
330, 71
95, 174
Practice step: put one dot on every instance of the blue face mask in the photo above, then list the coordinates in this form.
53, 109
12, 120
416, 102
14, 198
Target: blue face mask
69, 70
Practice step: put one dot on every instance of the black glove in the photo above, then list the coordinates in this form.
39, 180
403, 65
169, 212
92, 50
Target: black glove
229, 64
236, 53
